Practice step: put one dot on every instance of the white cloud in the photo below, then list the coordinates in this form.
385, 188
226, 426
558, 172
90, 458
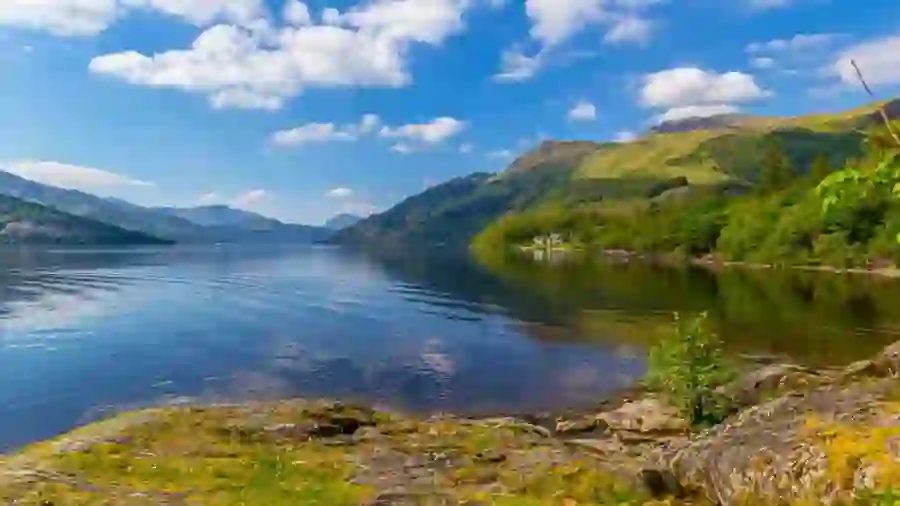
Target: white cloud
762, 62
402, 148
432, 132
624, 136
515, 66
339, 193
466, 148
71, 18
311, 132
249, 198
246, 67
799, 42
428, 21
583, 111
554, 21
697, 111
60, 17
692, 86
209, 198
500, 153
204, 12
878, 60
70, 176
630, 29
369, 123
296, 13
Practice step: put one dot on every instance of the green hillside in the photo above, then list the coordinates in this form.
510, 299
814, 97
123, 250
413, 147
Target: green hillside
621, 178
23, 222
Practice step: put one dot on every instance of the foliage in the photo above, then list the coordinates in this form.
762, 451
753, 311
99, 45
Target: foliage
686, 367
857, 199
775, 172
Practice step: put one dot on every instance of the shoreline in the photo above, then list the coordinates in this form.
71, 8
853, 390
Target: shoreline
713, 263
632, 446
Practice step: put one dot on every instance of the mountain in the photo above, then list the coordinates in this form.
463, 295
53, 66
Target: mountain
214, 223
221, 216
23, 222
342, 221
221, 223
676, 159
700, 123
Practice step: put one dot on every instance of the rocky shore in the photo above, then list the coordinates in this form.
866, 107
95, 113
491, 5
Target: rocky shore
796, 437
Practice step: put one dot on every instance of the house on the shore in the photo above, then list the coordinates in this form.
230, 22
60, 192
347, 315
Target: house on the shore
548, 241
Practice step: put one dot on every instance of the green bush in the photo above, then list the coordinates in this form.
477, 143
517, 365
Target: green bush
686, 367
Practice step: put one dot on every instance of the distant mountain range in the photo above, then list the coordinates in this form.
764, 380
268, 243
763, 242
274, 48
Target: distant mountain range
342, 221
206, 224
24, 222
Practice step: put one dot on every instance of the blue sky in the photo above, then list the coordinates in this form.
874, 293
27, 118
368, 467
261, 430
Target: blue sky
303, 110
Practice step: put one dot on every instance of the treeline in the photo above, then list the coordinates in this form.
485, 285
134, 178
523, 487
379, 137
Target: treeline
783, 219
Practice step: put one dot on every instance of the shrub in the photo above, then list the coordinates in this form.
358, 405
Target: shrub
686, 368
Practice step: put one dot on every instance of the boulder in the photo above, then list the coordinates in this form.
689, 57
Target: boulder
649, 415
583, 425
886, 363
829, 445
766, 382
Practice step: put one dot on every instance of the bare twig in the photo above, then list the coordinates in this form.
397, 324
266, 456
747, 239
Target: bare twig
884, 116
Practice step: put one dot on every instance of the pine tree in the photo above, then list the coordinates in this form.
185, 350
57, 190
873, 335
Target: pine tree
776, 172
820, 168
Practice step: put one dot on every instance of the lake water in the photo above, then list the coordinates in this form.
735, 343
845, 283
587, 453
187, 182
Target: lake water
87, 332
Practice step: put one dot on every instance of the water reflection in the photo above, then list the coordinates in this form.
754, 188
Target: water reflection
86, 331
812, 317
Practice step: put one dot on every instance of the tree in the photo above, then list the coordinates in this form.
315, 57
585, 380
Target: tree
820, 168
775, 172
686, 367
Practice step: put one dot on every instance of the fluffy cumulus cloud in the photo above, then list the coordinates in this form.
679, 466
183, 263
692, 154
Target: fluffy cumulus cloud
553, 22
583, 111
516, 66
691, 85
410, 137
70, 176
432, 132
69, 18
878, 60
691, 91
255, 65
60, 17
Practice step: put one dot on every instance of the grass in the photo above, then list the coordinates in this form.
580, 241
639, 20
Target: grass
230, 456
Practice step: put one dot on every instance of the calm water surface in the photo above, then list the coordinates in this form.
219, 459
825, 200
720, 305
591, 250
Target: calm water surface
85, 332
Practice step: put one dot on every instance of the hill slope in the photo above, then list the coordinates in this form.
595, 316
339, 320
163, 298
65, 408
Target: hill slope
723, 153
216, 225
24, 222
342, 221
